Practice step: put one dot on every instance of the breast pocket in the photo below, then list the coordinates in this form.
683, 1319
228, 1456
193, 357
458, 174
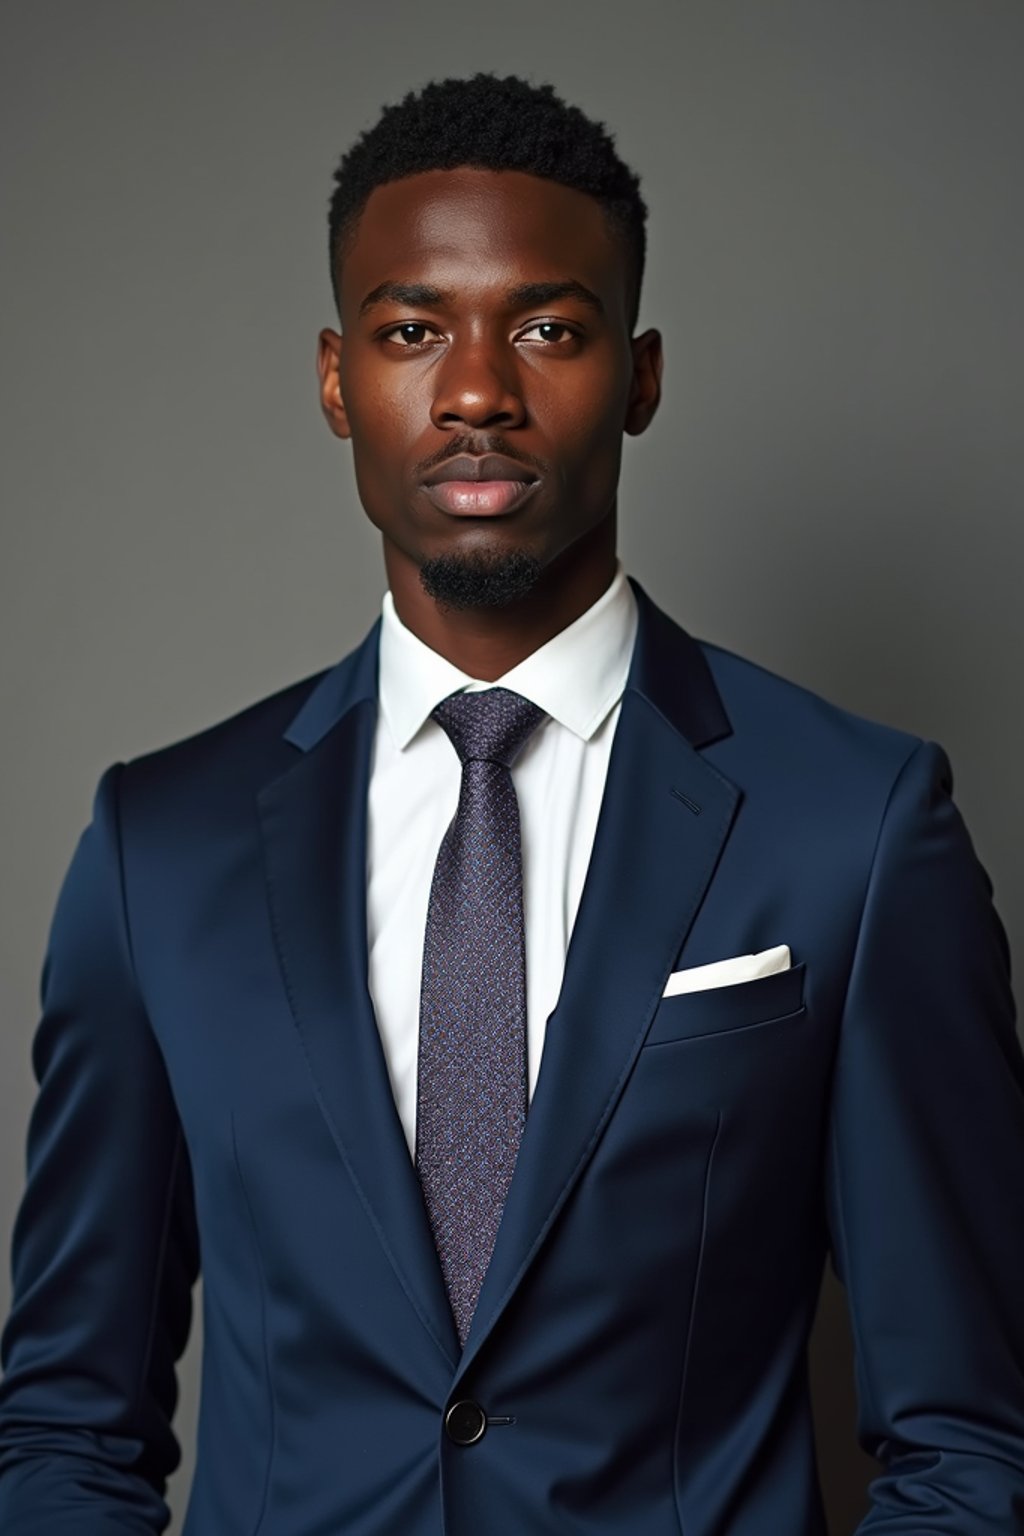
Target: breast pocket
720, 1010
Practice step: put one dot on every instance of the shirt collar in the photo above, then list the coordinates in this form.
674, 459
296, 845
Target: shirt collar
575, 677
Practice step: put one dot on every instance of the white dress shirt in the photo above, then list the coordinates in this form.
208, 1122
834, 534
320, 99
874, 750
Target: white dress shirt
577, 678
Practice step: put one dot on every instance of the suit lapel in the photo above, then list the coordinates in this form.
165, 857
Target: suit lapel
665, 817
313, 823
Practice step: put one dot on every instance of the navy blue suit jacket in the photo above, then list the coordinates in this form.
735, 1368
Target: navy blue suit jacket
212, 1084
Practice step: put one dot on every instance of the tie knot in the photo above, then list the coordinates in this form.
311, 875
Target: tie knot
493, 724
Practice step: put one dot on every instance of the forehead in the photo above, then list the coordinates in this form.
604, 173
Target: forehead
465, 228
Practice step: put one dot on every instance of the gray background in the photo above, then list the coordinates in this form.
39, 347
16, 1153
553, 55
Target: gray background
833, 484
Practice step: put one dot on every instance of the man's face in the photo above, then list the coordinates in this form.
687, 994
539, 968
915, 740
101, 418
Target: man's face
485, 336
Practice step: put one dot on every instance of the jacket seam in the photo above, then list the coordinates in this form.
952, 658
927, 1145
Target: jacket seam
175, 1162
264, 1340
117, 774
871, 870
684, 1373
855, 1327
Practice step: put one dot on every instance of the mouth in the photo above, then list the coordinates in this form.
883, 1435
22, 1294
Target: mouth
480, 487
479, 498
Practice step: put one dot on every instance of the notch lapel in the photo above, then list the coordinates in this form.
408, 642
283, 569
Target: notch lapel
665, 816
664, 820
313, 822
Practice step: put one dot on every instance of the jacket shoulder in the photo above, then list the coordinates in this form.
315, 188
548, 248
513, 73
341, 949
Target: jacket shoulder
204, 777
800, 731
249, 735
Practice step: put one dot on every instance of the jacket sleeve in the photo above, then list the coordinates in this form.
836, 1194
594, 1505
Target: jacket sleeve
925, 1178
105, 1249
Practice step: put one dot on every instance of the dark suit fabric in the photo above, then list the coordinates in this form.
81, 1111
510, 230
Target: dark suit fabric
212, 1087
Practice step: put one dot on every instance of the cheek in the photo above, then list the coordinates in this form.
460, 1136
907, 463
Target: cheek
383, 428
583, 408
587, 432
383, 404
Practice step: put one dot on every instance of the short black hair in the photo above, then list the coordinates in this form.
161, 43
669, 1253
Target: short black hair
496, 124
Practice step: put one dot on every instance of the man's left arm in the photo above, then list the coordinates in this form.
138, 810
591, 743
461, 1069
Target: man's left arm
925, 1177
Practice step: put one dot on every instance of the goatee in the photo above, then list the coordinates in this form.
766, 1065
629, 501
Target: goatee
480, 581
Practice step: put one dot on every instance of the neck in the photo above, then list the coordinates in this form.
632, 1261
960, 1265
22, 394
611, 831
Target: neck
487, 642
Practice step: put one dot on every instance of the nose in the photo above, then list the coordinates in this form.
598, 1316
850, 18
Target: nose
476, 385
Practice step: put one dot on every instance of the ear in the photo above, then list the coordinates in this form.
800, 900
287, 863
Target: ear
645, 391
328, 367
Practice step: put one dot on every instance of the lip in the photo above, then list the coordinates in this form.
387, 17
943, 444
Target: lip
479, 498
488, 486
489, 466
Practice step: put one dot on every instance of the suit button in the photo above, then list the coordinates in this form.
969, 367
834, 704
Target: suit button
465, 1422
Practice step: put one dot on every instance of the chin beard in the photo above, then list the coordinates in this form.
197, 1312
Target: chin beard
480, 581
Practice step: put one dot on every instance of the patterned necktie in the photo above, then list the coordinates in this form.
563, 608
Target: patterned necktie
471, 1089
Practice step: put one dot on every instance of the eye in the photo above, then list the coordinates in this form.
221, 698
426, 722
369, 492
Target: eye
411, 333
552, 331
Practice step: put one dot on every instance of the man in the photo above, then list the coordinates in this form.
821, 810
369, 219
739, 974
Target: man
517, 1014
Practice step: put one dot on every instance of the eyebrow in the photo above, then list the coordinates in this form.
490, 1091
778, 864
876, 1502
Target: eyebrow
525, 296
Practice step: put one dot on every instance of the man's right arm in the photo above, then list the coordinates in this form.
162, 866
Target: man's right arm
105, 1250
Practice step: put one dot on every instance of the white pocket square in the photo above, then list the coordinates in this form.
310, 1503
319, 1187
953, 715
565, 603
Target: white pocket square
722, 973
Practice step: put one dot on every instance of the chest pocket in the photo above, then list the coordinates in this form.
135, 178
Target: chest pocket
719, 1010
